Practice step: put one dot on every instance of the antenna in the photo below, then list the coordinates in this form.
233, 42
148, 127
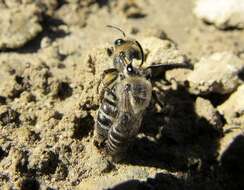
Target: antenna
142, 53
117, 28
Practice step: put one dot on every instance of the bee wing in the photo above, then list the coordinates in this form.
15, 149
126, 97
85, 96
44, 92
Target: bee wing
135, 95
128, 121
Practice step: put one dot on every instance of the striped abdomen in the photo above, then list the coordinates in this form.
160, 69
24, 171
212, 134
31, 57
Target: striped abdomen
133, 98
106, 114
123, 132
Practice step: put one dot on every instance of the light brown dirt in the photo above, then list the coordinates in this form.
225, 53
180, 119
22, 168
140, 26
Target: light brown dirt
48, 98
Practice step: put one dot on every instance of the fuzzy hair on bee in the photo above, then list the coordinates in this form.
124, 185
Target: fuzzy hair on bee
135, 96
121, 112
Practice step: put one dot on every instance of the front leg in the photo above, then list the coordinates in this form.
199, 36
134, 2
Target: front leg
107, 78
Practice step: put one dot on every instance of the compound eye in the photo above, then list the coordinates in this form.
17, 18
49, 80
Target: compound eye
119, 42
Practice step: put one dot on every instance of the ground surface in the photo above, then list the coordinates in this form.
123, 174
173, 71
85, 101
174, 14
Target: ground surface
52, 54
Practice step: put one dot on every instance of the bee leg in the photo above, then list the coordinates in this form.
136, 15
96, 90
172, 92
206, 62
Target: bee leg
156, 99
115, 158
100, 138
98, 141
107, 78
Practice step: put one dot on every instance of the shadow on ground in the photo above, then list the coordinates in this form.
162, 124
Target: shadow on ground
175, 138
219, 177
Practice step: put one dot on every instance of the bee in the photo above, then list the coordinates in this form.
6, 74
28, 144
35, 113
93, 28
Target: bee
125, 51
133, 97
120, 114
125, 95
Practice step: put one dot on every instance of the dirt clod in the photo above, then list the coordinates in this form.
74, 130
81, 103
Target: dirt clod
224, 14
43, 161
208, 114
19, 25
217, 73
233, 108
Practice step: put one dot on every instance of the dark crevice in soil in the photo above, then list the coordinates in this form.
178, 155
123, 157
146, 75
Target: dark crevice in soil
58, 115
30, 183
61, 3
2, 153
64, 91
227, 29
241, 75
103, 3
157, 72
137, 16
10, 116
83, 126
217, 99
2, 100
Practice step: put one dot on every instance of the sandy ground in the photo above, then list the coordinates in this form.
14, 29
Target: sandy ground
52, 54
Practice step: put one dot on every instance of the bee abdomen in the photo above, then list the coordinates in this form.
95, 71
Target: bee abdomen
106, 114
119, 135
116, 142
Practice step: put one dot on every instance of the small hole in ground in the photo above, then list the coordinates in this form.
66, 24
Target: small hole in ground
30, 183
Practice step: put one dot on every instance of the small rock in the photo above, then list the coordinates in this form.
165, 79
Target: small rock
28, 118
72, 14
12, 67
223, 13
37, 77
18, 160
27, 97
25, 135
45, 42
43, 161
60, 89
11, 88
19, 25
50, 55
178, 75
161, 52
61, 171
47, 116
70, 44
206, 112
217, 73
100, 165
233, 108
131, 9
